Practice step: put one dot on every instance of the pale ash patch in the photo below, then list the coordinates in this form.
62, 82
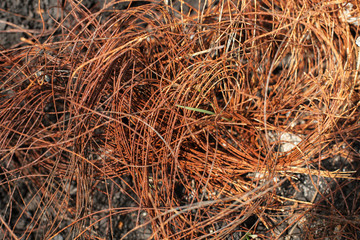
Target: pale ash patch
348, 14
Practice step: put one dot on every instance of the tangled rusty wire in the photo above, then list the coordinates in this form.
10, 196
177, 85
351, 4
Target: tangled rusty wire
192, 103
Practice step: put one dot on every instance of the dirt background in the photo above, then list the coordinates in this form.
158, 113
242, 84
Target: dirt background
16, 18
17, 15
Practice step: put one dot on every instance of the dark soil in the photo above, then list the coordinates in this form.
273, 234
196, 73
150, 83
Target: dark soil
18, 15
23, 14
19, 19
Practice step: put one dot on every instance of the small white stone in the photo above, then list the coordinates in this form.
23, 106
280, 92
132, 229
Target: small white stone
358, 41
287, 141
